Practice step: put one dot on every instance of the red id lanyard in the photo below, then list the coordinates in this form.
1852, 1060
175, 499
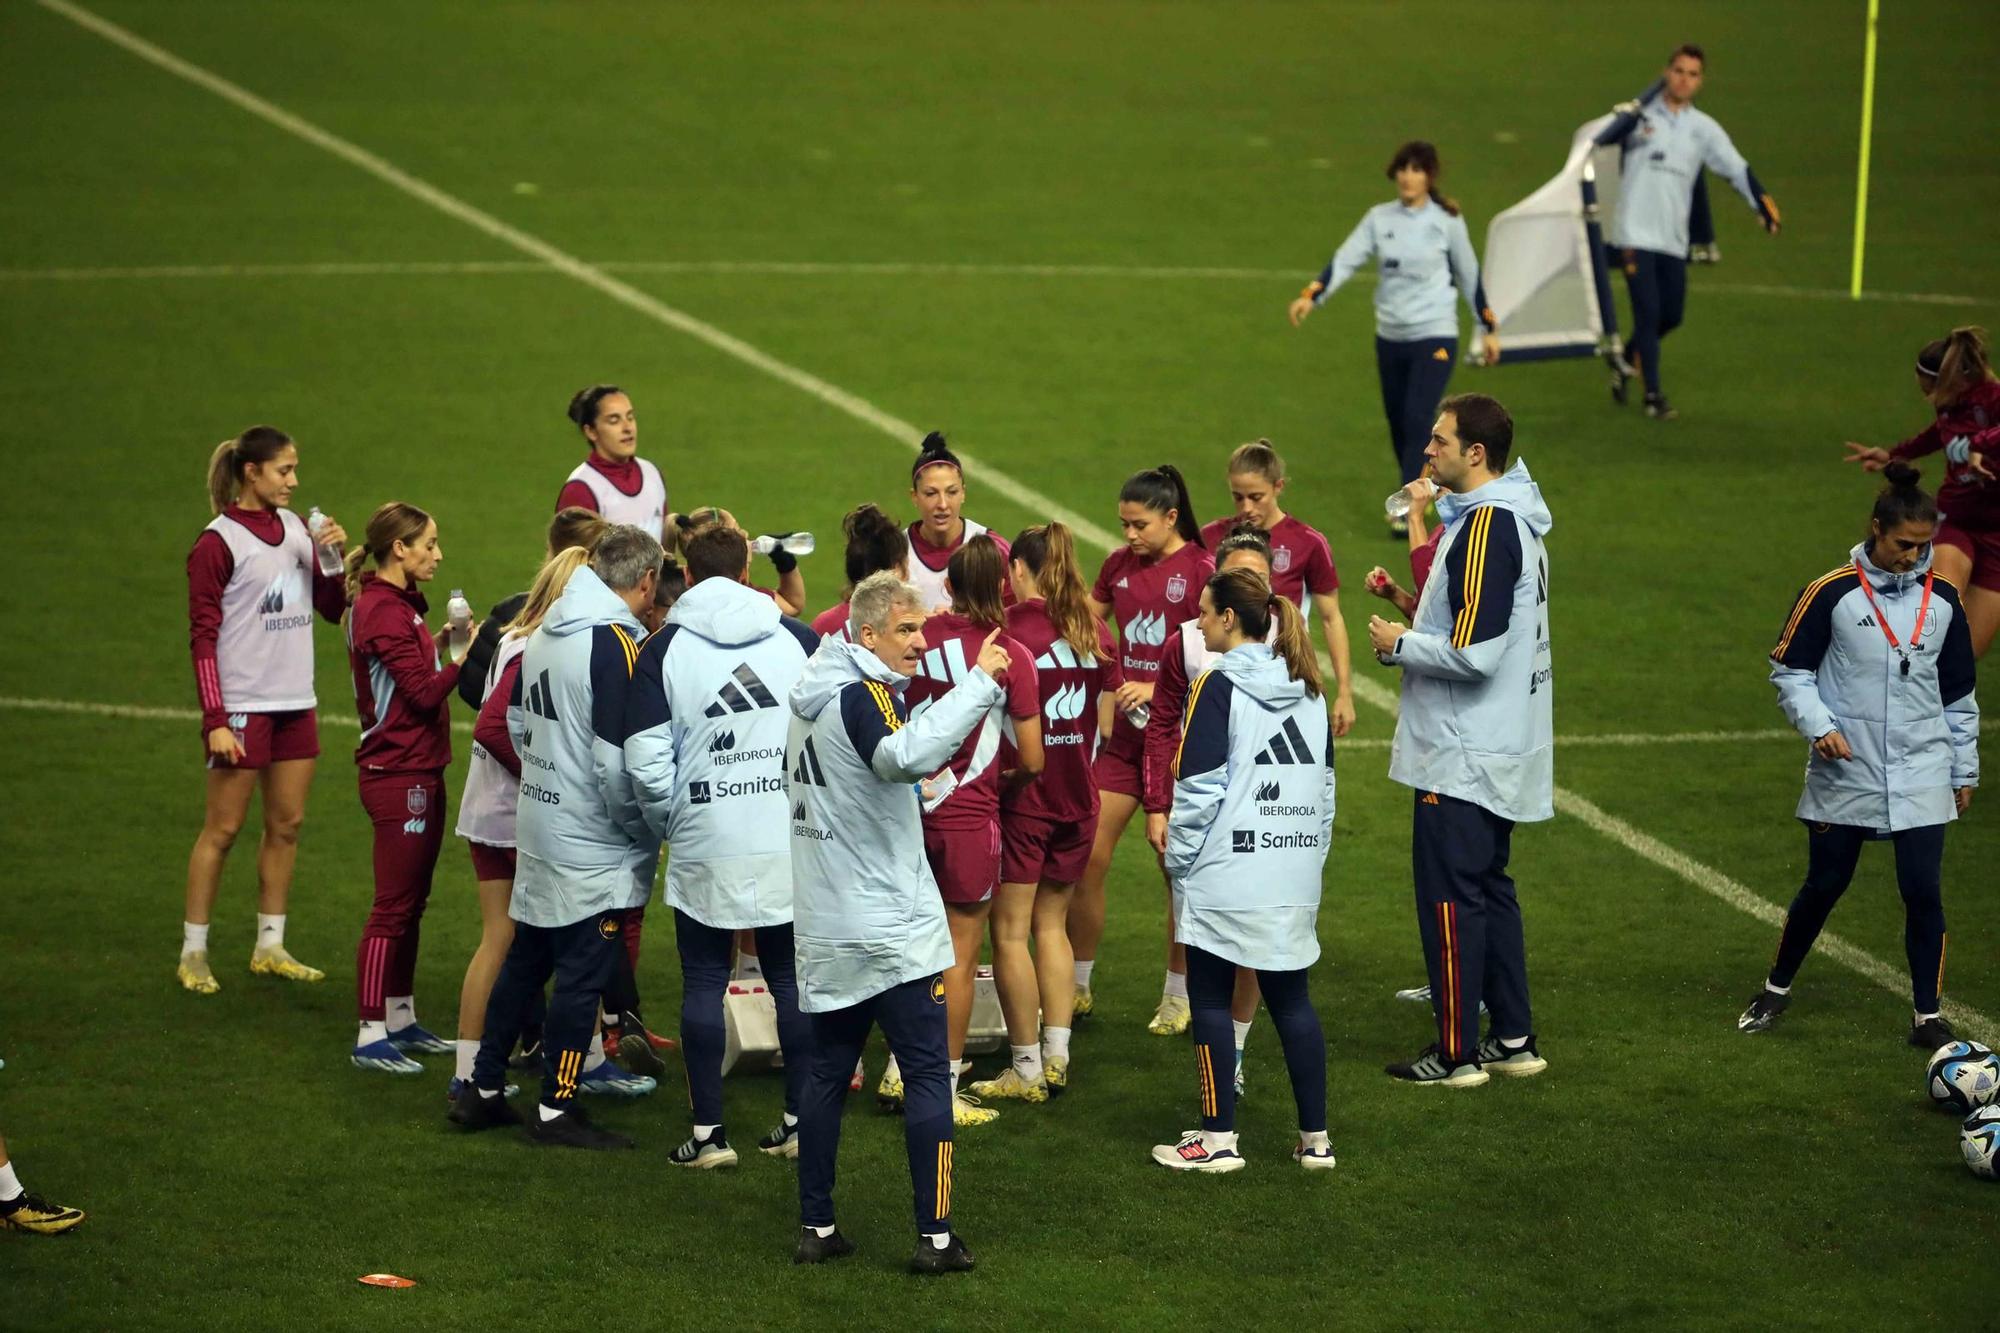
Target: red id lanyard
1923, 610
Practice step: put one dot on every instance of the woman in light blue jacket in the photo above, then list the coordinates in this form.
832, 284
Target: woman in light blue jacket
1247, 838
1875, 669
1424, 262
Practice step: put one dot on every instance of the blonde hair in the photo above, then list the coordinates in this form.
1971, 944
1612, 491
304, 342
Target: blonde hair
687, 525
549, 583
259, 445
1257, 458
393, 522
1048, 552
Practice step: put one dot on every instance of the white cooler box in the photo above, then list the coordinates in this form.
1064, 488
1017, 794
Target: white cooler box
750, 1024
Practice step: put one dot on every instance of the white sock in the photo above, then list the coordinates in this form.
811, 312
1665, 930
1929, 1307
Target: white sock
194, 939
548, 1112
1242, 1031
821, 1232
400, 1011
1313, 1139
939, 1239
1215, 1140
706, 1132
487, 1092
1176, 985
892, 1070
956, 1067
1055, 1043
270, 931
1777, 990
790, 1120
1925, 1018
467, 1051
1514, 1043
1028, 1062
861, 1067
596, 1056
1083, 970
10, 1184
372, 1030
605, 1018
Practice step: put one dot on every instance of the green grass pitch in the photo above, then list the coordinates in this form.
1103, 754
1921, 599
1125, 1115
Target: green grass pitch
1665, 1172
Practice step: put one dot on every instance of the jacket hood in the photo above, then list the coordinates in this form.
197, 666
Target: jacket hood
1258, 672
832, 669
585, 603
725, 612
1513, 489
1882, 578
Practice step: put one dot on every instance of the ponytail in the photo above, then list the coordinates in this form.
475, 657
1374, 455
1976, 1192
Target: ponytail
258, 444
1954, 364
393, 522
1444, 201
549, 583
1163, 490
1049, 552
1256, 607
875, 542
1294, 645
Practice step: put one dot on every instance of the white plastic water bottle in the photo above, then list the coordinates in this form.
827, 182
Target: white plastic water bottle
458, 625
1138, 714
797, 543
1399, 504
329, 552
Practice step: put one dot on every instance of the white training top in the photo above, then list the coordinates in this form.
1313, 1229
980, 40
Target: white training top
647, 509
492, 794
929, 582
264, 650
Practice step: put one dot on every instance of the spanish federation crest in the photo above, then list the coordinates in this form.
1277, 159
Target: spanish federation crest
416, 800
1177, 589
1281, 559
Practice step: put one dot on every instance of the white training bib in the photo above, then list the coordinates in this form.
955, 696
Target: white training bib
492, 794
647, 509
264, 650
929, 582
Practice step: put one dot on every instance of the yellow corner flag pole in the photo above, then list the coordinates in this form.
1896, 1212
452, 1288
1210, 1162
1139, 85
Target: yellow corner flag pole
1867, 136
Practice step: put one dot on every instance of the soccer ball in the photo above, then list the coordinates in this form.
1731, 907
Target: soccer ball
1980, 1142
1963, 1077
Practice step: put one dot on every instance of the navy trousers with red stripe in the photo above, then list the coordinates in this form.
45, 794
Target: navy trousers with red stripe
1470, 920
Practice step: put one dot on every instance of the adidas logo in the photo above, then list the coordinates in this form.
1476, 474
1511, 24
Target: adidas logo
1062, 657
1286, 747
1149, 629
724, 740
1125, 583
541, 698
806, 770
743, 693
1066, 704
946, 663
1866, 622
1268, 792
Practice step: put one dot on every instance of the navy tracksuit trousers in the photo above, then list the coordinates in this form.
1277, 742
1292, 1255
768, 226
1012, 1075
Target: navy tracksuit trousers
1210, 982
1413, 375
1658, 284
581, 956
1470, 920
912, 1018
1833, 850
706, 952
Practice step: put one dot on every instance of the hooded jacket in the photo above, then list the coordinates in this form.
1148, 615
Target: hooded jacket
1252, 818
867, 913
1477, 719
1914, 737
584, 847
705, 747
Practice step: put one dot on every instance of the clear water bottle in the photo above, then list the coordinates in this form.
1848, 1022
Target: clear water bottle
458, 625
329, 552
1137, 715
1400, 503
797, 543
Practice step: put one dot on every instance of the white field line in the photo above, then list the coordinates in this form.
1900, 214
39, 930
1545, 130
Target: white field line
1703, 877
144, 713
816, 268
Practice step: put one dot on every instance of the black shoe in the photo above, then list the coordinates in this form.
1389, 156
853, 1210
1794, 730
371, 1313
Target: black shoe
572, 1129
473, 1112
1658, 408
953, 1258
1621, 375
1931, 1034
1399, 528
1763, 1011
817, 1249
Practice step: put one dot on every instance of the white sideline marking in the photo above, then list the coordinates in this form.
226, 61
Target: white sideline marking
805, 268
143, 713
1703, 877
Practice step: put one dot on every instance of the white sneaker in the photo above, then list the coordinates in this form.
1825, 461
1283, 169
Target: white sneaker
1192, 1153
1313, 1152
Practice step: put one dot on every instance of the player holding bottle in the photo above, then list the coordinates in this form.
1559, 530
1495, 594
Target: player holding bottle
1149, 586
402, 692
250, 631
